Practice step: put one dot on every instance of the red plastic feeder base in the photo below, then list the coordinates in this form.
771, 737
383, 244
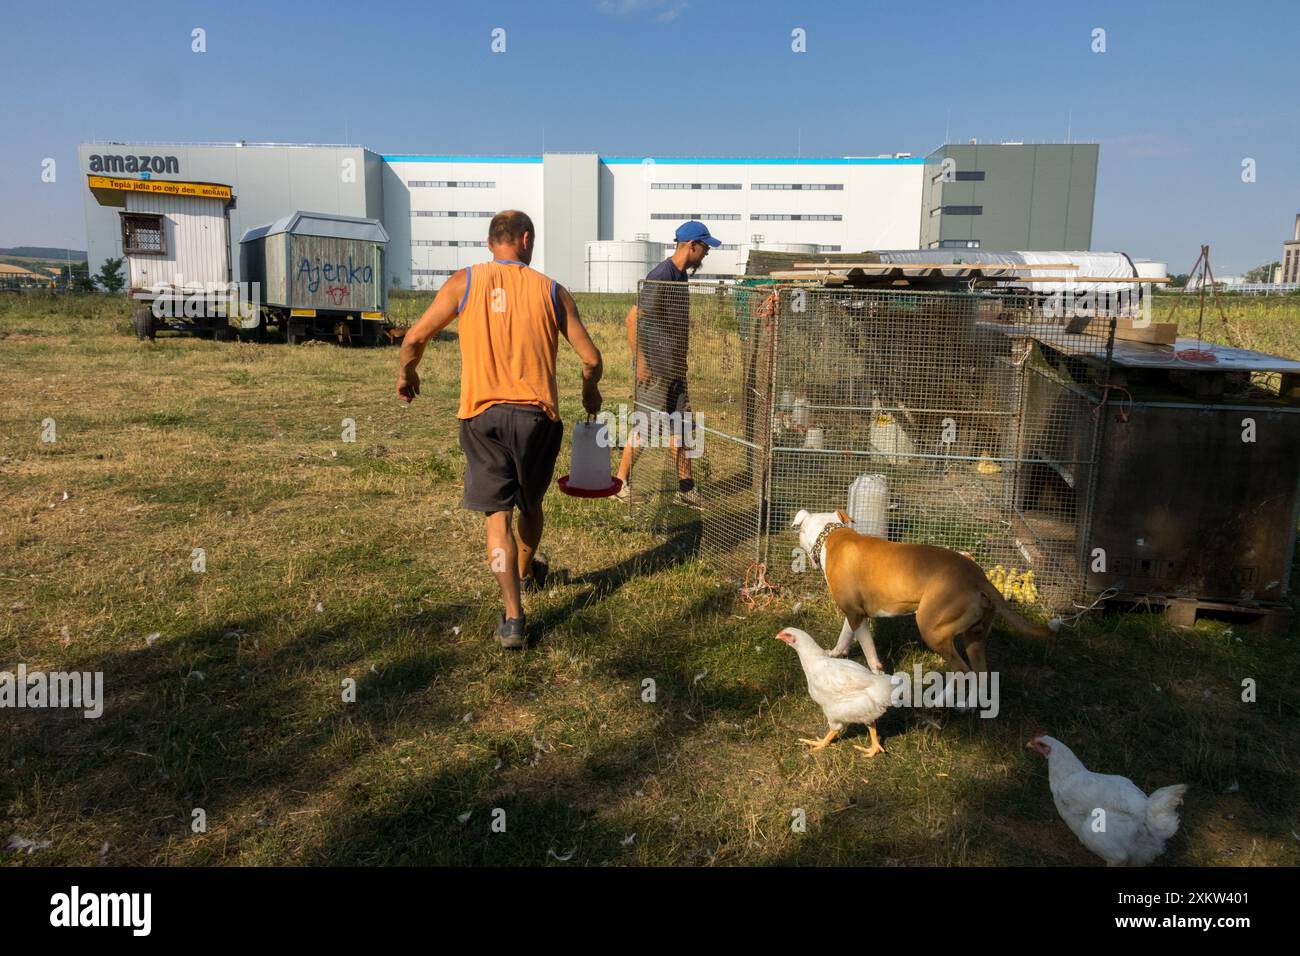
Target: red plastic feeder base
590, 492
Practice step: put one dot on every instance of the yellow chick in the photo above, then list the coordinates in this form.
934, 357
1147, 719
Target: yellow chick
997, 576
1013, 583
1028, 590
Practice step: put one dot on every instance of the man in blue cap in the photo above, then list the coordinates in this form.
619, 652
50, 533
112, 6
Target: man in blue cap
663, 308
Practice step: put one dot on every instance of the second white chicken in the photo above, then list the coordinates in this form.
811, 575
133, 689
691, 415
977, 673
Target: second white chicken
1108, 813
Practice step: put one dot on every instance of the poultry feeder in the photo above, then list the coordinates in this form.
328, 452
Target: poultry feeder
589, 470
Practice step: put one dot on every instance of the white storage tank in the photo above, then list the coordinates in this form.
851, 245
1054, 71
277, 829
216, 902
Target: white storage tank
618, 265
1137, 302
1148, 269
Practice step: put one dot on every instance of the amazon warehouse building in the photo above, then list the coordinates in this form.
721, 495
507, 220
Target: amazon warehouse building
604, 221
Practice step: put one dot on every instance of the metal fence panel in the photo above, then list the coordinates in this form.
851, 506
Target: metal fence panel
703, 363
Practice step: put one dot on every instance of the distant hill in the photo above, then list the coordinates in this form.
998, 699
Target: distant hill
44, 252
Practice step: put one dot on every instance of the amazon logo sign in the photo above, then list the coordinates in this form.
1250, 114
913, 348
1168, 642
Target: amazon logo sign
134, 164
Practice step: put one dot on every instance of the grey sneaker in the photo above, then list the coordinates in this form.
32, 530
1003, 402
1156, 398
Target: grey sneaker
510, 633
689, 499
626, 495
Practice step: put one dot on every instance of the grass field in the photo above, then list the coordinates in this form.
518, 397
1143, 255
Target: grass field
328, 560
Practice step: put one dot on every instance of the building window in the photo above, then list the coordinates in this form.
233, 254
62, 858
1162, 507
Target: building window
433, 272
449, 242
962, 176
702, 216
828, 248
774, 217
796, 186
452, 214
142, 233
961, 211
695, 185
450, 184
959, 244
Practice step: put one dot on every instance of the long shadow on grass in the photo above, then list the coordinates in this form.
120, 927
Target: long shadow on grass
581, 806
680, 545
207, 720
260, 726
575, 802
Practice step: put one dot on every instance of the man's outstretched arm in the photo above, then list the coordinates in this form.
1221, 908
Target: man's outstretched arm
436, 317
593, 367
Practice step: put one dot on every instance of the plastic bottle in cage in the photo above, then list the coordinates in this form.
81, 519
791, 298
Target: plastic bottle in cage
869, 505
802, 414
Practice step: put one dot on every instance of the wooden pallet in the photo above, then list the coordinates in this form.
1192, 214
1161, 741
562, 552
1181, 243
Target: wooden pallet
1274, 619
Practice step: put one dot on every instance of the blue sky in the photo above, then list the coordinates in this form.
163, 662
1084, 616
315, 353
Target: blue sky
1183, 94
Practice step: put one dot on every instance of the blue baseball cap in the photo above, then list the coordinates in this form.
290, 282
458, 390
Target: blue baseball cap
696, 231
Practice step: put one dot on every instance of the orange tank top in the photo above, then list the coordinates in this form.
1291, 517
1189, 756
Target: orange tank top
508, 337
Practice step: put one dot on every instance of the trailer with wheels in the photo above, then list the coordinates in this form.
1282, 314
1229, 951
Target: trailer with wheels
175, 243
320, 276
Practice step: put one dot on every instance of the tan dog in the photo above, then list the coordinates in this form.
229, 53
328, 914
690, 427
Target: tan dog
872, 577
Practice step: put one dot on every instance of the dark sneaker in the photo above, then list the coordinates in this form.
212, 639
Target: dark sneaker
537, 580
689, 499
510, 633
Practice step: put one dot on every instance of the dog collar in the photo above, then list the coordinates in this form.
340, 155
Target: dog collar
821, 540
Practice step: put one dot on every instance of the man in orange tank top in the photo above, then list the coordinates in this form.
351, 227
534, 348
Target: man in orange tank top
511, 318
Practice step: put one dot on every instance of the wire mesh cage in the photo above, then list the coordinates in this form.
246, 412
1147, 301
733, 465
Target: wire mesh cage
963, 419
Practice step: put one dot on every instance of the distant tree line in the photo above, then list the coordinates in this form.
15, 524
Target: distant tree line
1263, 273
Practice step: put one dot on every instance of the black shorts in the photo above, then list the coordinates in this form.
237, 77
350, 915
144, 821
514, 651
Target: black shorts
664, 393
510, 453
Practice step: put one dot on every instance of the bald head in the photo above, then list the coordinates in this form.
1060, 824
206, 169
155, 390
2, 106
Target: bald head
512, 236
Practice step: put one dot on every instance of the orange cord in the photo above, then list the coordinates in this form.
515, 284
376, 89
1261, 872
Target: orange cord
761, 591
1122, 414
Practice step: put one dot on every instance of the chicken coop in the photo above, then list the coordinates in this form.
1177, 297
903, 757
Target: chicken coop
946, 407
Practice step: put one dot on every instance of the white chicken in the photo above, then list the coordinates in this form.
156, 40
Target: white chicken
847, 692
1108, 813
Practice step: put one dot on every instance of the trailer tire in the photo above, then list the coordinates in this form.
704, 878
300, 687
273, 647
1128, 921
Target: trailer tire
372, 333
142, 319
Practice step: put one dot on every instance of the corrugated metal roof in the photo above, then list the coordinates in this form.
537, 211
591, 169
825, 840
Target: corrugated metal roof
321, 224
1116, 264
764, 261
13, 270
